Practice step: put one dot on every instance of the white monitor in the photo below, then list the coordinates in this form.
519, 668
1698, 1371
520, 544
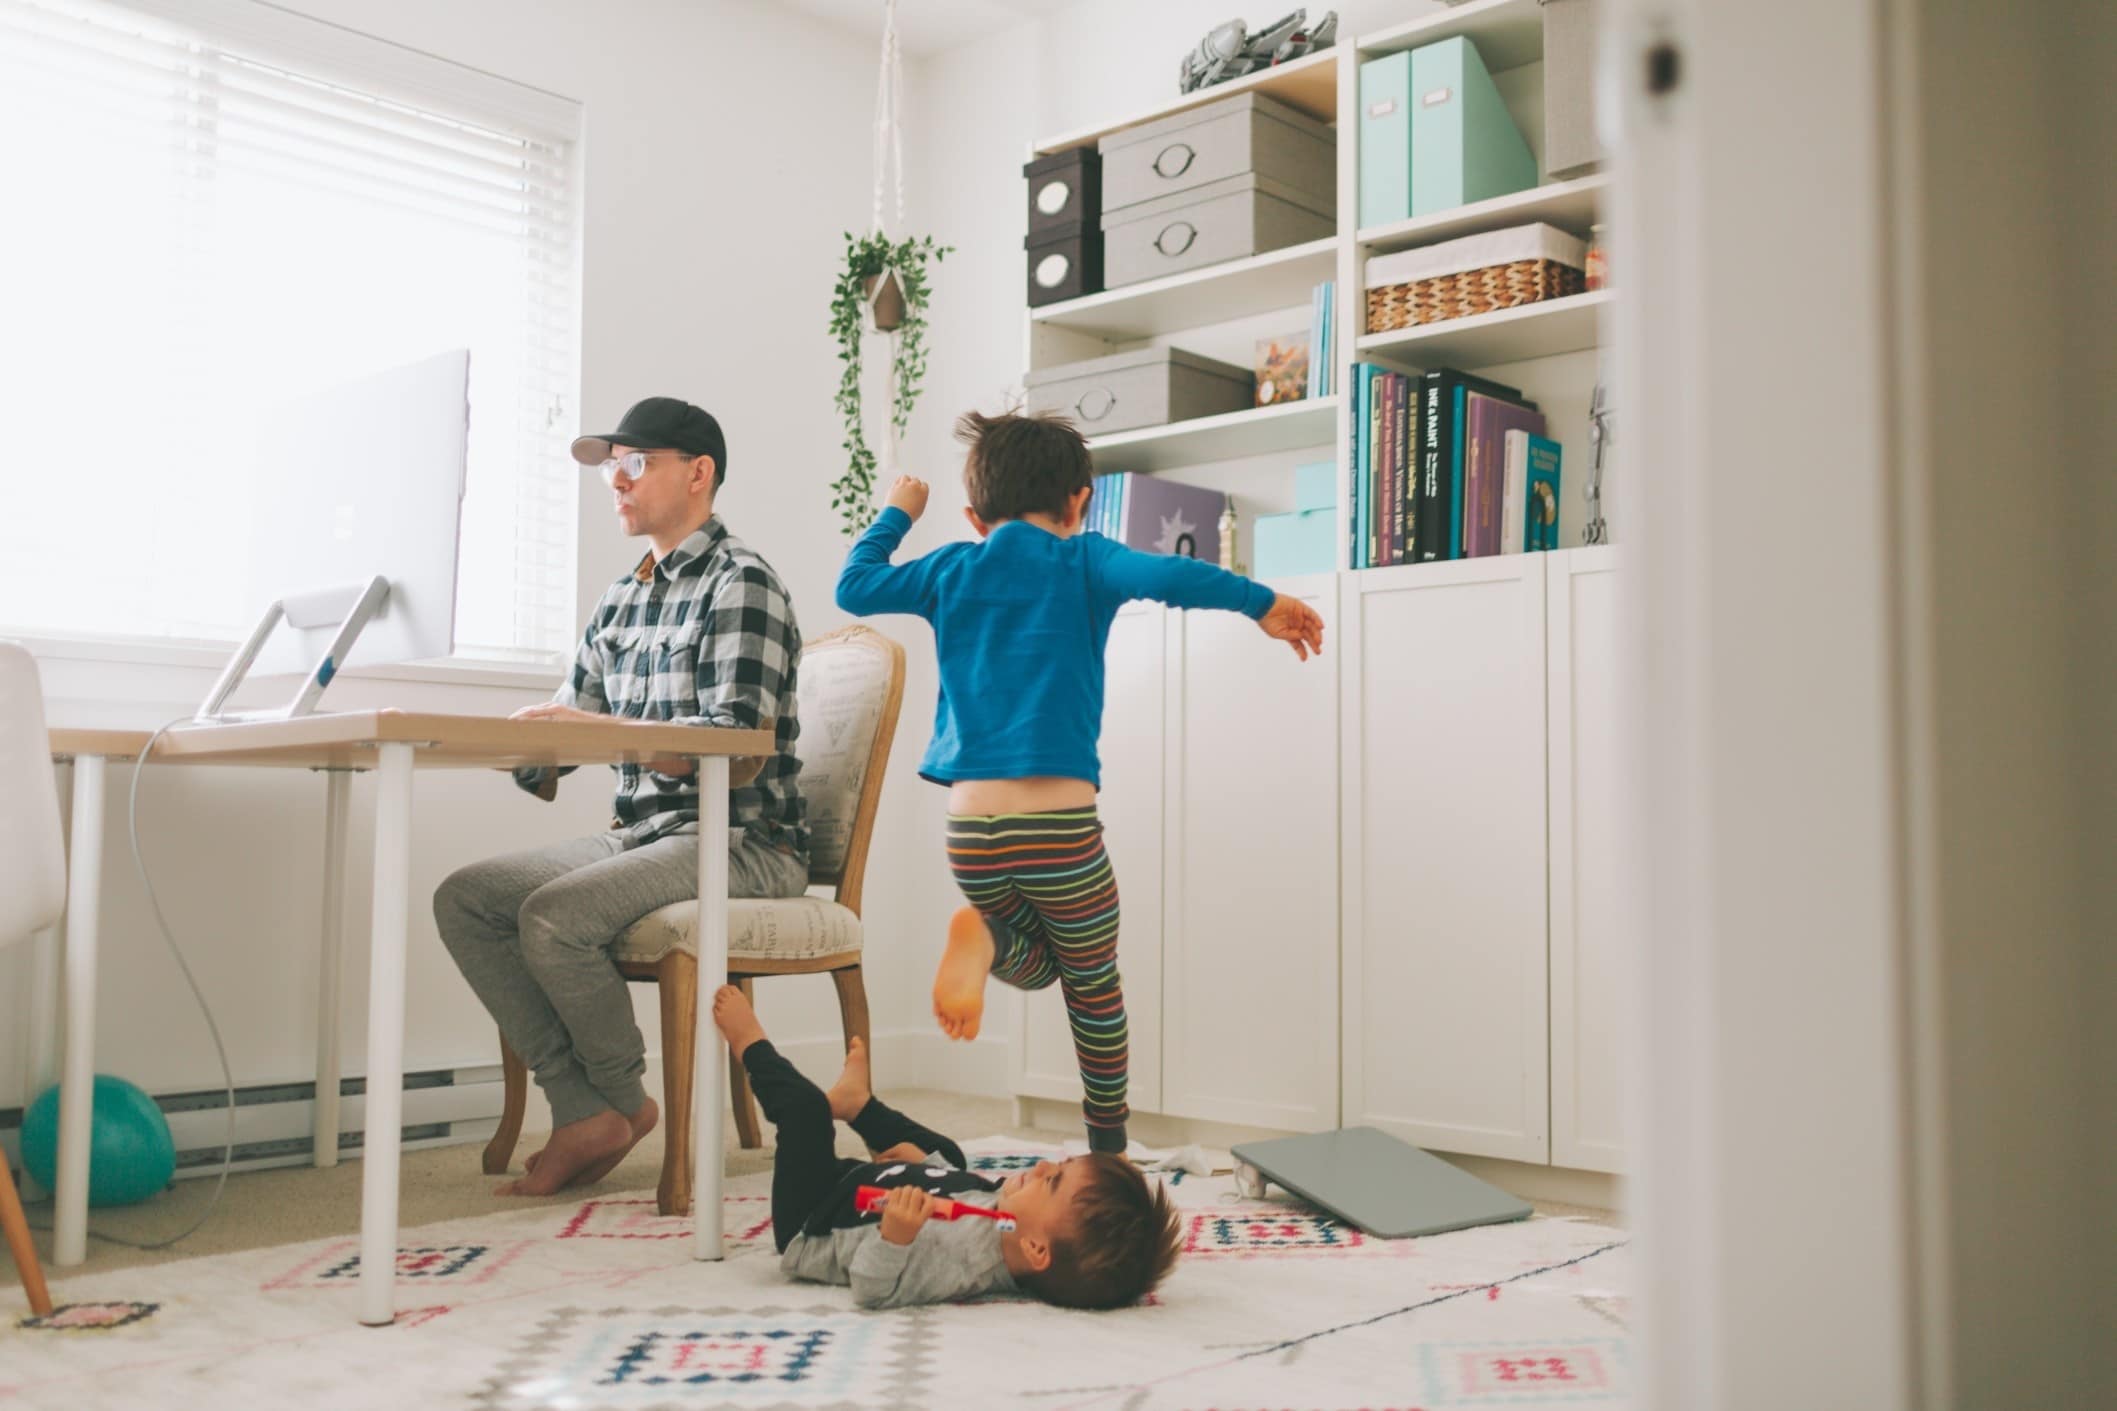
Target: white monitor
354, 528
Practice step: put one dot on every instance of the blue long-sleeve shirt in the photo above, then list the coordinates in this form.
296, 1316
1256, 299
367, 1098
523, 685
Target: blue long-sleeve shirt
1020, 623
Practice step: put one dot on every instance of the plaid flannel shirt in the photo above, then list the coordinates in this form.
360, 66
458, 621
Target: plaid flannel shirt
705, 636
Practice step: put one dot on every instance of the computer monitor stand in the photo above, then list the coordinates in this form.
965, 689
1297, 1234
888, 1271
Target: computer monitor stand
348, 608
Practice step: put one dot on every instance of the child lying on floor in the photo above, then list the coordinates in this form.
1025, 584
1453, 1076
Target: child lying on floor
1089, 1232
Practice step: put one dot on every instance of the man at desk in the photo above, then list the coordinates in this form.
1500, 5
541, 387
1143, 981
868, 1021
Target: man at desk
700, 632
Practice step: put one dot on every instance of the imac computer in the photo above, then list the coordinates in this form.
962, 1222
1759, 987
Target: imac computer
357, 508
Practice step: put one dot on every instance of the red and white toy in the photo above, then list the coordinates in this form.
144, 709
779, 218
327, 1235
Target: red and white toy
868, 1199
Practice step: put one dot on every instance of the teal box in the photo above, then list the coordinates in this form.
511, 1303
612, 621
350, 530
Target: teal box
1316, 486
1291, 545
1385, 139
1464, 144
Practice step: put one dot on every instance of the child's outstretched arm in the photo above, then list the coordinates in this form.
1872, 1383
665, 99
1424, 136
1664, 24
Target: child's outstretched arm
1126, 574
869, 583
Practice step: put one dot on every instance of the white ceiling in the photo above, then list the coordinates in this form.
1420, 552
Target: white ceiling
927, 26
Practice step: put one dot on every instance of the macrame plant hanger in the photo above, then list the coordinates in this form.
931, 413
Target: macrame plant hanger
885, 301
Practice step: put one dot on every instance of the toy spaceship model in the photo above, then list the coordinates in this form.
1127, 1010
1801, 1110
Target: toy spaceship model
1230, 50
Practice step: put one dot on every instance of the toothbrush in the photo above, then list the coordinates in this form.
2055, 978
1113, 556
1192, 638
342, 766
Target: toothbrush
869, 1199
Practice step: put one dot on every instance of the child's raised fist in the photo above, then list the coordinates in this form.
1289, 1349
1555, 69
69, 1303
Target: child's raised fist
909, 495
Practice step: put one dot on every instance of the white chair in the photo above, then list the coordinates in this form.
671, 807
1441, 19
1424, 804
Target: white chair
32, 881
851, 687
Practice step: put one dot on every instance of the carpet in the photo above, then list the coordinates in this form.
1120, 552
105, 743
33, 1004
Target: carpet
596, 1305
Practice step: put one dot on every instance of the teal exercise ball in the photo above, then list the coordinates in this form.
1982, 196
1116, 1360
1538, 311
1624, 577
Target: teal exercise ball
130, 1153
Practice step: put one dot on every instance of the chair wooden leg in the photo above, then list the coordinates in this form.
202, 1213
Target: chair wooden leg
514, 1078
744, 1101
17, 1230
678, 982
852, 1011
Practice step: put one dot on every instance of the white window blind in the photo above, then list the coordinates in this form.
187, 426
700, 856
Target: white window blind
207, 206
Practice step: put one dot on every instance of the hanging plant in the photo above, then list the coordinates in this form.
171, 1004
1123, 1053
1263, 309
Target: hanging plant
882, 287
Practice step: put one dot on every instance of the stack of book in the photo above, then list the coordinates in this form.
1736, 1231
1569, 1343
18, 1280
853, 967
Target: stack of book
1157, 516
1434, 475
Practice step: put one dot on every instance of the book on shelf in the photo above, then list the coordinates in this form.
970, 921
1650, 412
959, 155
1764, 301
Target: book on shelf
1355, 453
1385, 470
1396, 471
1529, 503
1377, 397
1157, 516
1487, 421
1436, 526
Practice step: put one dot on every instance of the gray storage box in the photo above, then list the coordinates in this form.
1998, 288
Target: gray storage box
1147, 387
1243, 215
1197, 147
1571, 145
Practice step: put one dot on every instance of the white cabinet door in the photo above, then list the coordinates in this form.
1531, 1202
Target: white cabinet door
1445, 1032
1135, 727
1251, 958
1591, 925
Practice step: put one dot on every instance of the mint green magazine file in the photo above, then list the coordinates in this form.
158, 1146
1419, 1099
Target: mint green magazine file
1464, 144
1385, 139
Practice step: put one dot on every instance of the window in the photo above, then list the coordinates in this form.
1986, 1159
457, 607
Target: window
211, 205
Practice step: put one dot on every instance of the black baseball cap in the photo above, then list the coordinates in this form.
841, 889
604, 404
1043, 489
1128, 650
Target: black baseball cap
660, 424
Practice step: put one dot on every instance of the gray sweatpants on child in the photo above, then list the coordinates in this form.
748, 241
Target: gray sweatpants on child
532, 932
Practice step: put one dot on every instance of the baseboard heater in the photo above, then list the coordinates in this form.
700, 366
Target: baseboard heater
273, 1121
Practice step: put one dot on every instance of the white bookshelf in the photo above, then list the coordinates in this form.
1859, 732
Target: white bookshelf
1569, 205
1193, 309
1209, 440
1508, 33
1278, 279
1540, 330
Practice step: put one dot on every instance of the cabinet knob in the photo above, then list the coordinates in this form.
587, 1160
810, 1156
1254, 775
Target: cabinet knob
1173, 160
1190, 236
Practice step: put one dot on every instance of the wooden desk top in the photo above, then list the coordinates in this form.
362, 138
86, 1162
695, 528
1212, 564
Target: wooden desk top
348, 740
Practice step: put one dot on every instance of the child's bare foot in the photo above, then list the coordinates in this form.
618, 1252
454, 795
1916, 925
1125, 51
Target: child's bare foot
574, 1149
959, 987
853, 1088
736, 1020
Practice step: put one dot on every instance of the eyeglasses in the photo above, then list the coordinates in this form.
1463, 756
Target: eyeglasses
631, 465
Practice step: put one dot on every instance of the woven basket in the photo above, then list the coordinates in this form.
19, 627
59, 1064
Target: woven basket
1473, 291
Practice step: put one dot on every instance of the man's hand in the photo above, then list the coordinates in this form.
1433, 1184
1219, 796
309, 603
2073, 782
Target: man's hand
552, 710
909, 495
904, 1212
675, 766
1291, 620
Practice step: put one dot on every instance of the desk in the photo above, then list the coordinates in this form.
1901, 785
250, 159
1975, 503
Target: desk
392, 744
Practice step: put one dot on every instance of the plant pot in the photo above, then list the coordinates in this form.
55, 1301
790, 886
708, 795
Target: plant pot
884, 298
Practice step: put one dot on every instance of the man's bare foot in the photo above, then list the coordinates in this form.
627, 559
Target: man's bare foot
642, 1121
852, 1090
736, 1020
959, 986
573, 1149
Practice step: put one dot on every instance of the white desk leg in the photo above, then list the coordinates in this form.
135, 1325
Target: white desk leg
338, 789
385, 1082
709, 1081
78, 1070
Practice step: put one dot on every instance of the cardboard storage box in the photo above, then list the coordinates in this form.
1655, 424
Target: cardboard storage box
1147, 387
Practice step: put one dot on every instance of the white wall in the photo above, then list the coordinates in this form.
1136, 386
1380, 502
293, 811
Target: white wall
726, 151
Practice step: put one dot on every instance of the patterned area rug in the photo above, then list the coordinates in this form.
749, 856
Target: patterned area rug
599, 1307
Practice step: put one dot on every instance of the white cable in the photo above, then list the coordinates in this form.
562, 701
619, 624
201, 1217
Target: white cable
132, 818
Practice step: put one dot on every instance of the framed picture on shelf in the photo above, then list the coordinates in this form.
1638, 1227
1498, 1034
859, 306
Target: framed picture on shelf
1282, 368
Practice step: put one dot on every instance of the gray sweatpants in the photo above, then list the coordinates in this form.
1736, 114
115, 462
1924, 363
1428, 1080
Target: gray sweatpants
532, 931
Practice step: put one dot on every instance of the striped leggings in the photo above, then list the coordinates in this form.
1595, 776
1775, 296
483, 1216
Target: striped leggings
1044, 885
